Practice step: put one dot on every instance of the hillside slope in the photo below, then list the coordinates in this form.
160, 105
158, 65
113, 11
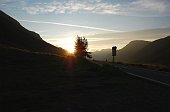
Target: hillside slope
157, 52
14, 35
123, 54
141, 52
102, 54
32, 82
126, 53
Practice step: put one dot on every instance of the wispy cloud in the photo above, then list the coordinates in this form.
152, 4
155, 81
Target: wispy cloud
11, 2
136, 7
152, 5
70, 25
148, 7
74, 6
130, 7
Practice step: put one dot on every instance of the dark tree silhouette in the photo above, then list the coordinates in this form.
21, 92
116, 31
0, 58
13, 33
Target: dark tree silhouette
81, 47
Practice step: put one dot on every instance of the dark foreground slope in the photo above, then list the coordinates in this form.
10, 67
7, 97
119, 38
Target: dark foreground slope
32, 82
14, 35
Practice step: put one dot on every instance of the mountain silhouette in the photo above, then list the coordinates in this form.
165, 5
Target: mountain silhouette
103, 54
127, 53
120, 38
156, 52
14, 35
123, 54
140, 52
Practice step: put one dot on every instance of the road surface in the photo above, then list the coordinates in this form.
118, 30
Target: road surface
160, 77
152, 75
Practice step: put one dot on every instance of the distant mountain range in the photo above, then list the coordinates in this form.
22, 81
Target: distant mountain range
139, 34
12, 34
121, 39
141, 52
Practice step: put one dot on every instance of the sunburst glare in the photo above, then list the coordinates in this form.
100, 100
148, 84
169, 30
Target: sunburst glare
67, 44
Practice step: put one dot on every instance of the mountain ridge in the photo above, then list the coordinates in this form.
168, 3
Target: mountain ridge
13, 34
120, 39
157, 52
141, 52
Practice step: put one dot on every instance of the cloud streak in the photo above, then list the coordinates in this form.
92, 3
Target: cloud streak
70, 25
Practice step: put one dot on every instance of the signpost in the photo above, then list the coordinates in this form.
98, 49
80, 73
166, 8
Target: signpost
114, 52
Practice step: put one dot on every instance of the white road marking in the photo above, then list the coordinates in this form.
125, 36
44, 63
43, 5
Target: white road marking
156, 81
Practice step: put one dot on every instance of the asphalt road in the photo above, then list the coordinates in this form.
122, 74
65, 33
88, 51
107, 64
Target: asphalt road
152, 75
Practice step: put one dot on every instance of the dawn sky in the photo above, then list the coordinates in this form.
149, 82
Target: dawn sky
58, 21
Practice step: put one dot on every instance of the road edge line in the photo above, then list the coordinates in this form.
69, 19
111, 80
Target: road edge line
148, 79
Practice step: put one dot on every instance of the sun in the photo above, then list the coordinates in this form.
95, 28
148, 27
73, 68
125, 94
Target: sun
70, 49
67, 44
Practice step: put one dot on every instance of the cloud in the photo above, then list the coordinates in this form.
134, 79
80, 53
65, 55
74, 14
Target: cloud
10, 2
70, 25
149, 7
135, 7
11, 5
74, 6
152, 5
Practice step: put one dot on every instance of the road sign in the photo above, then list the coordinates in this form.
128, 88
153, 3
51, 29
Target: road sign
114, 50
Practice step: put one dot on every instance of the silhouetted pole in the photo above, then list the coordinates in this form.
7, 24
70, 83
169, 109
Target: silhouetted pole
113, 53
113, 60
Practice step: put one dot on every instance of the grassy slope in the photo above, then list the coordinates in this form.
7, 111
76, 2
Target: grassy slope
46, 83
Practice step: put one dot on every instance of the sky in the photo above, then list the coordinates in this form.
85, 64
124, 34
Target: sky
60, 21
